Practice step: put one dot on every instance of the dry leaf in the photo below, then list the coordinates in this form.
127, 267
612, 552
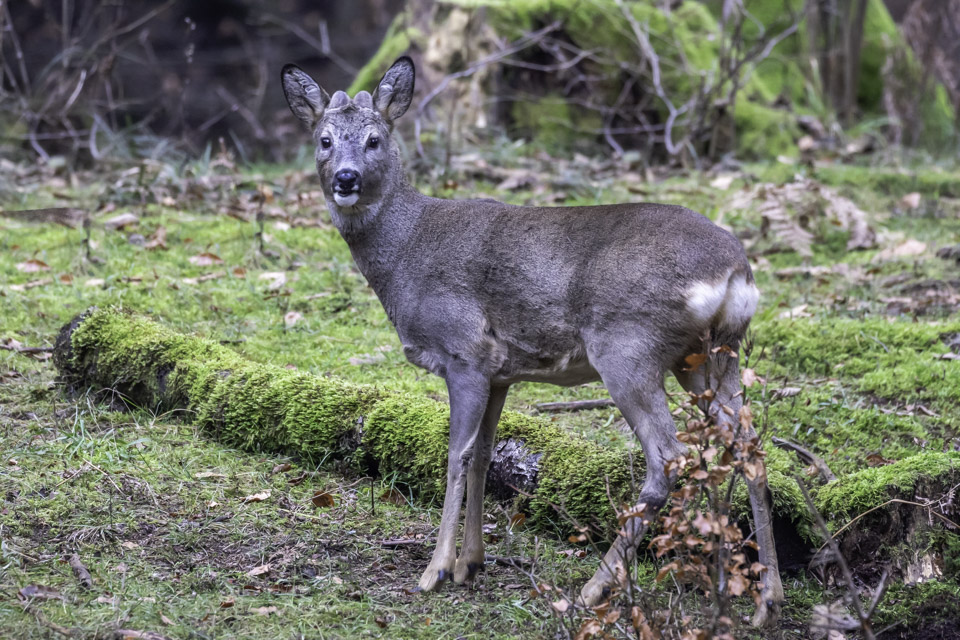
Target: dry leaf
205, 259
517, 520
292, 318
227, 603
32, 284
121, 221
322, 499
265, 611
95, 282
695, 360
158, 239
907, 249
723, 181
560, 606
239, 272
393, 496
167, 621
280, 468
32, 266
749, 377
208, 474
39, 592
216, 275
257, 497
589, 629
258, 571
911, 200
799, 311
65, 278
786, 392
278, 279
132, 634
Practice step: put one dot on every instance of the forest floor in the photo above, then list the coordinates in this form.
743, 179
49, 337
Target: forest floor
855, 345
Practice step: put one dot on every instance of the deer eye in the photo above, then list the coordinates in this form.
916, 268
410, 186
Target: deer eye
325, 142
373, 142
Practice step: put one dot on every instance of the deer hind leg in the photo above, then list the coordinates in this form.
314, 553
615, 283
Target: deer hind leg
468, 401
471, 553
722, 374
643, 403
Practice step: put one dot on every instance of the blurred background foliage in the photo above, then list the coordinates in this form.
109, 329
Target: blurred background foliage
687, 82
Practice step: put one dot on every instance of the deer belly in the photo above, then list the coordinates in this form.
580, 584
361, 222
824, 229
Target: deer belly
567, 369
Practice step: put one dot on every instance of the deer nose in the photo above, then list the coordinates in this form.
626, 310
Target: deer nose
346, 180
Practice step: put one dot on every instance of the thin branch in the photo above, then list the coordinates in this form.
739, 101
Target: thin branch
807, 456
852, 590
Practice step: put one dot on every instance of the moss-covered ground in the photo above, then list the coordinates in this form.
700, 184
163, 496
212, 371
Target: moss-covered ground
856, 351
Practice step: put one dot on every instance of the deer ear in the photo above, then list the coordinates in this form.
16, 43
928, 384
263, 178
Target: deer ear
395, 91
306, 98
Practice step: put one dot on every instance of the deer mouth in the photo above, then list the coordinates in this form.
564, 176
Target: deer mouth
346, 198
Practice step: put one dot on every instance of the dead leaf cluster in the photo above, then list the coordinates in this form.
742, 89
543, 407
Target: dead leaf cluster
793, 215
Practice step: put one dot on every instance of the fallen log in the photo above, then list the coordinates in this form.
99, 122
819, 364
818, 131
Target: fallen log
558, 479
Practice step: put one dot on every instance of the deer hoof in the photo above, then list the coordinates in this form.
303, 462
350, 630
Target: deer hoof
432, 579
466, 571
594, 592
767, 614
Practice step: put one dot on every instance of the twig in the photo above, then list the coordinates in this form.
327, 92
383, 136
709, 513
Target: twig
322, 45
403, 542
807, 456
514, 562
575, 405
853, 592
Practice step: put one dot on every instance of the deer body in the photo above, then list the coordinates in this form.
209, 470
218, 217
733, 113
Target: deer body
486, 294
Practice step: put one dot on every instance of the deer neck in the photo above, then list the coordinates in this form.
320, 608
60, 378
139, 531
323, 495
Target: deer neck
379, 232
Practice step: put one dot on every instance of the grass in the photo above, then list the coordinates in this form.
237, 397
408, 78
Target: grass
170, 550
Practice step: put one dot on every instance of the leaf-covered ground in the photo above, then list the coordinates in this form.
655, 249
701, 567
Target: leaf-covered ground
855, 350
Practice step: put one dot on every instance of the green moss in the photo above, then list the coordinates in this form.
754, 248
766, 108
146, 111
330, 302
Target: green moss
868, 488
407, 436
926, 179
400, 37
551, 123
891, 359
880, 36
765, 132
915, 606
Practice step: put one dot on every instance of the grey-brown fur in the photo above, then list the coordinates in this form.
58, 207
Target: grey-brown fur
486, 294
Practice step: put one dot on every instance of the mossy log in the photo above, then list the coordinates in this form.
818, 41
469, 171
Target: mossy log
329, 421
558, 479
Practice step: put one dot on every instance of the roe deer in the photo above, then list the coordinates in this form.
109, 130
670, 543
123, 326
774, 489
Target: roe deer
486, 294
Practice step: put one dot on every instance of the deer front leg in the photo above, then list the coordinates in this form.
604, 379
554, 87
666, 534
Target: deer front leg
471, 553
468, 400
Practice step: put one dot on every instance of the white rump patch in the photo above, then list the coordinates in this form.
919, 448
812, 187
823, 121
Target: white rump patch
705, 298
730, 303
346, 201
741, 302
